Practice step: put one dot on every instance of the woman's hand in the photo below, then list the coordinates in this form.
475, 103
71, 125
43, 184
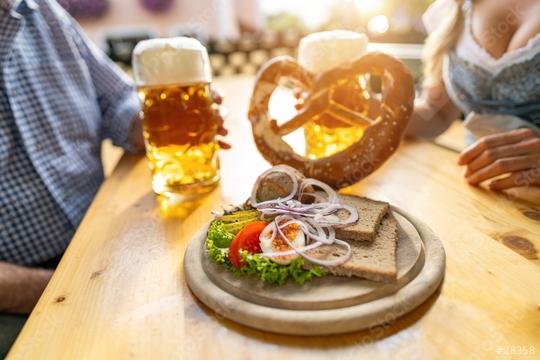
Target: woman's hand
515, 152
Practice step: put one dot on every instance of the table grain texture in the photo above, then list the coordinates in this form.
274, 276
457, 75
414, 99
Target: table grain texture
119, 291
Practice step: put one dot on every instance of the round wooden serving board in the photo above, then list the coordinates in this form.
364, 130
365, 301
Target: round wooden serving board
327, 305
329, 292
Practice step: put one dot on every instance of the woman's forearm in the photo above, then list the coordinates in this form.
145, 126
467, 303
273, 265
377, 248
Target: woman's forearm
428, 121
433, 113
21, 287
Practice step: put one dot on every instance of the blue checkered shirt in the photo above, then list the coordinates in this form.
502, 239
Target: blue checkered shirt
59, 98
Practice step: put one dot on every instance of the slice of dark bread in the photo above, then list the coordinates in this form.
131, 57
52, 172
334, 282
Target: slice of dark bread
370, 214
374, 260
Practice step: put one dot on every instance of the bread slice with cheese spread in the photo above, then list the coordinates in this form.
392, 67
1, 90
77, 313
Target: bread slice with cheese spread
374, 260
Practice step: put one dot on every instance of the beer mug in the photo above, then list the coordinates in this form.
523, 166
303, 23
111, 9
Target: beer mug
173, 77
318, 53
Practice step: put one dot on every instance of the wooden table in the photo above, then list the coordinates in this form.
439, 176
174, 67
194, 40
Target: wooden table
119, 291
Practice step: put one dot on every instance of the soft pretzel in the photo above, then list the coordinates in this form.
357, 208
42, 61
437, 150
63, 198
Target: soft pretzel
384, 127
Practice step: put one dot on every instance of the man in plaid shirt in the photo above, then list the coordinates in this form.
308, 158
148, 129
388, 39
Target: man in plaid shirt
59, 98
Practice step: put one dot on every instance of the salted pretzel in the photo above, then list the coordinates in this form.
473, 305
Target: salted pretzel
384, 126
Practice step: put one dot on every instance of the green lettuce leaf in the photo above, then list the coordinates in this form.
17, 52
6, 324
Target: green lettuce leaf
264, 268
219, 234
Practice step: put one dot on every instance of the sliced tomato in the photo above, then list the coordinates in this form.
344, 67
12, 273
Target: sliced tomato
246, 239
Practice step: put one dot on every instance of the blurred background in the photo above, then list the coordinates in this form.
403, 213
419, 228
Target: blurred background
242, 34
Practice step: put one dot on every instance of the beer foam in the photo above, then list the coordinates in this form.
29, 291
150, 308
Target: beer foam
179, 60
322, 51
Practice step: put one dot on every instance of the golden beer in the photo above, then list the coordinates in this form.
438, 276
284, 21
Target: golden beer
179, 128
322, 141
179, 118
318, 53
328, 135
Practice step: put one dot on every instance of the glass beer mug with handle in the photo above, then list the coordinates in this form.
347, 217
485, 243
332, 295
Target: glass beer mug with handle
318, 53
179, 118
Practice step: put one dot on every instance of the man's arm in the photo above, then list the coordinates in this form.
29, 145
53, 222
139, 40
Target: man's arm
136, 137
116, 95
21, 287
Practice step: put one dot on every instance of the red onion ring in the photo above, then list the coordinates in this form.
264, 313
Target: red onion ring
280, 169
332, 195
326, 263
317, 220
